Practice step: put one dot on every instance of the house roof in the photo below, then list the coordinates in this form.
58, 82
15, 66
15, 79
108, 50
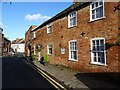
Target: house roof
1, 29
65, 12
31, 28
18, 41
6, 40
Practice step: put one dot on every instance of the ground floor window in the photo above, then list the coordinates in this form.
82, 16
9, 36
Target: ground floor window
98, 54
73, 52
49, 49
34, 49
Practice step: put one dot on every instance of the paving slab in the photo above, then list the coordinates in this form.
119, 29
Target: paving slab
74, 79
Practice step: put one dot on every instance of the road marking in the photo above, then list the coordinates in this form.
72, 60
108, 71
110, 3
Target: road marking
46, 78
52, 81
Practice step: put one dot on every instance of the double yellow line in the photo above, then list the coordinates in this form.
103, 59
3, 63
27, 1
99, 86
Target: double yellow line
49, 79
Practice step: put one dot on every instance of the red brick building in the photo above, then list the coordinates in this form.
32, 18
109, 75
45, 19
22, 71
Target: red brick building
6, 46
28, 40
82, 37
1, 40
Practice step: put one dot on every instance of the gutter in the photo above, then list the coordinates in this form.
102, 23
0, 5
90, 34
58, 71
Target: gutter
65, 12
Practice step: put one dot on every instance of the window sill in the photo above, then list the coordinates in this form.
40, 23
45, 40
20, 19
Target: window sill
48, 33
97, 19
33, 38
99, 64
49, 54
72, 26
73, 60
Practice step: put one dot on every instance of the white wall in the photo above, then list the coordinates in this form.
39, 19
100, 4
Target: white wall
19, 47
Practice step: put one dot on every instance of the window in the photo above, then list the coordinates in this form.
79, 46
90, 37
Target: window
96, 10
98, 54
49, 28
49, 49
34, 34
72, 19
31, 36
73, 52
34, 49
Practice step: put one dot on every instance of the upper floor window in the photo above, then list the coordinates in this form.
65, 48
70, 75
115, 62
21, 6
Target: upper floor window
49, 49
73, 52
96, 10
49, 28
72, 19
98, 54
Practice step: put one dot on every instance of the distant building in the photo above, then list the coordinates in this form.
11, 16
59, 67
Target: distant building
18, 45
1, 40
5, 44
29, 37
6, 47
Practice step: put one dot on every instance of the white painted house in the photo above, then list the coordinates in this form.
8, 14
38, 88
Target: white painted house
18, 46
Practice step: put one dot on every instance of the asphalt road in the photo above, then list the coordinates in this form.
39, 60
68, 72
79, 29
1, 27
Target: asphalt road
17, 74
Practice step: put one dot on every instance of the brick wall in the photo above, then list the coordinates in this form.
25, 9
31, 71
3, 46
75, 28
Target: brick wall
1, 43
6, 46
61, 35
28, 39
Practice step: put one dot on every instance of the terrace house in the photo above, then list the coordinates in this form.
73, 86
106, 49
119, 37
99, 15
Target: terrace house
29, 40
82, 37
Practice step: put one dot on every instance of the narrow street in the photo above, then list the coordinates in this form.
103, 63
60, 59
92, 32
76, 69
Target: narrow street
17, 74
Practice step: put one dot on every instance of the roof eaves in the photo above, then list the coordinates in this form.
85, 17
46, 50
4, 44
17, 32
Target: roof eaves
6, 39
64, 12
21, 41
1, 29
34, 29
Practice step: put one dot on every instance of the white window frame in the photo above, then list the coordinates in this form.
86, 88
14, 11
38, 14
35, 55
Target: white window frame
34, 34
34, 49
93, 3
49, 26
96, 51
72, 17
48, 47
73, 50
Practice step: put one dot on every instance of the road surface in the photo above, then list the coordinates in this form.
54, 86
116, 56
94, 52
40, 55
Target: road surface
17, 74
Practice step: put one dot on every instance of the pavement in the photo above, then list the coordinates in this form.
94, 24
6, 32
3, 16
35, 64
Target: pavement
77, 80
